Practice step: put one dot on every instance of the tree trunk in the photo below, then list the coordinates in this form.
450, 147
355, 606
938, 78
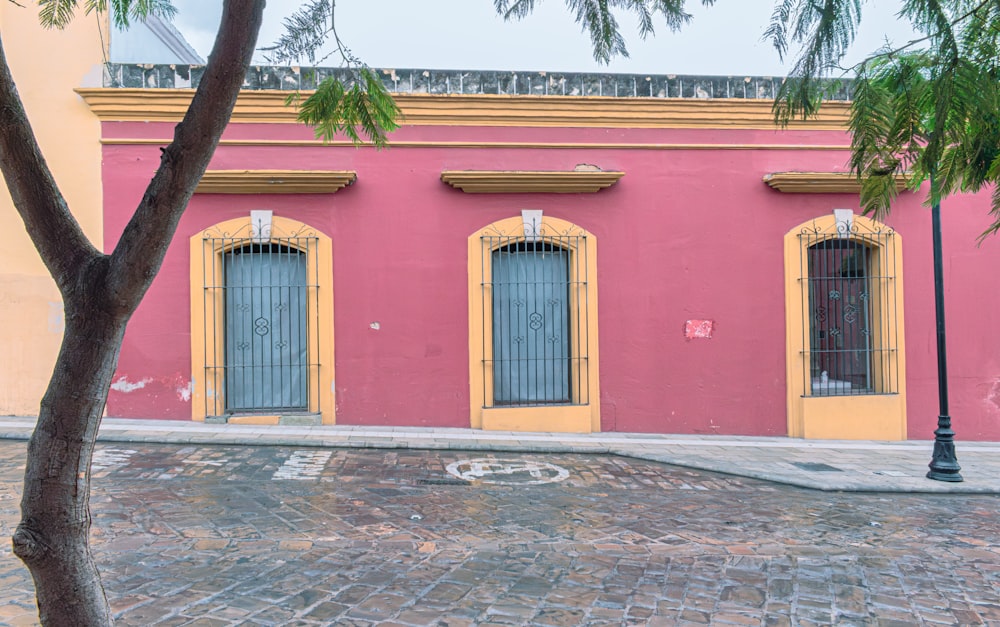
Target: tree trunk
53, 536
100, 293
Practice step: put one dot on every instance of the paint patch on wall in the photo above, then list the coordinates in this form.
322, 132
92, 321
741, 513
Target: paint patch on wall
57, 321
699, 329
184, 392
994, 395
125, 386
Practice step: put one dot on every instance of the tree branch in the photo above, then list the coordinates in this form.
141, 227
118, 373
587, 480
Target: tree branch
913, 42
144, 242
54, 231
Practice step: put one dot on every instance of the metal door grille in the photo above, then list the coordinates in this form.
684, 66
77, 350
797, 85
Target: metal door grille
849, 300
261, 322
534, 293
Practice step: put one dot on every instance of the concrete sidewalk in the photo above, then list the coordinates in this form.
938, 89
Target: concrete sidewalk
832, 465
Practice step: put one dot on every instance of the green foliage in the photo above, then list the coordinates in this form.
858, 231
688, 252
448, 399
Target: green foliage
358, 107
597, 17
929, 109
362, 107
59, 13
825, 29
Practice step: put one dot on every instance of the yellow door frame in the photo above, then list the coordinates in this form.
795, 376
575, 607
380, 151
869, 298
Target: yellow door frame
208, 316
584, 415
868, 417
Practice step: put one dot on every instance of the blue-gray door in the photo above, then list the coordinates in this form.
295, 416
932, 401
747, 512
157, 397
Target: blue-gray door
531, 330
266, 334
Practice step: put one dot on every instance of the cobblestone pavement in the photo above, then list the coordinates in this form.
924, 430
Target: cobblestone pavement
199, 535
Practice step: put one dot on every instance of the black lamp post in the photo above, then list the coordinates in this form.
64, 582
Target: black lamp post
944, 465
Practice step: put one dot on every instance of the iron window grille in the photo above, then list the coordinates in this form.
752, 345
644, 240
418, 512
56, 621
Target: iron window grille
850, 344
260, 322
534, 304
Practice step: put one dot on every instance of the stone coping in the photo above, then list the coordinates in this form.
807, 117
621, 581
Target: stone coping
469, 82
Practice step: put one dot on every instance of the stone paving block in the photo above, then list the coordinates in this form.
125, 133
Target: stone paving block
776, 620
174, 621
695, 616
445, 593
745, 596
347, 622
510, 609
273, 615
207, 622
353, 595
613, 615
17, 615
415, 615
500, 621
556, 617
970, 617
638, 613
723, 617
379, 607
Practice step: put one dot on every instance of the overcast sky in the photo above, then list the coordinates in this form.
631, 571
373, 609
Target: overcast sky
468, 34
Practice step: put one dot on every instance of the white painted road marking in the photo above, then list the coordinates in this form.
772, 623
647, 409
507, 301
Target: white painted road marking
105, 458
303, 466
511, 472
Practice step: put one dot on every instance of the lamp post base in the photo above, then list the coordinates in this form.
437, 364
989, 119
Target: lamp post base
944, 464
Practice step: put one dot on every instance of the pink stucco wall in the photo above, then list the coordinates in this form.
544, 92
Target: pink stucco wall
686, 235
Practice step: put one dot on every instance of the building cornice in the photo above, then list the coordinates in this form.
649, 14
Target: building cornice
275, 181
528, 181
821, 182
169, 105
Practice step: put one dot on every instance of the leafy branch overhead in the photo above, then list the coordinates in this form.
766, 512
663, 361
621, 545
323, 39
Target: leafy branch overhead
59, 13
358, 106
597, 17
929, 108
363, 107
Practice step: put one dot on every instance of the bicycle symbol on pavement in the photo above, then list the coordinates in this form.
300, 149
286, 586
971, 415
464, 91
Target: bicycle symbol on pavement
507, 472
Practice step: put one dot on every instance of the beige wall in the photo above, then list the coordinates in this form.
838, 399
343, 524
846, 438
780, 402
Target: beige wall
47, 65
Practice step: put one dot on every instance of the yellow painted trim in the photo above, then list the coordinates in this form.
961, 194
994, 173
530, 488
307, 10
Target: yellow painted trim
298, 143
822, 182
568, 419
206, 263
169, 105
853, 417
524, 181
275, 181
582, 418
254, 420
864, 417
